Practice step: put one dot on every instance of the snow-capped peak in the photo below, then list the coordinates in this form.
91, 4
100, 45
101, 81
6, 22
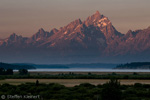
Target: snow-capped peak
97, 20
102, 22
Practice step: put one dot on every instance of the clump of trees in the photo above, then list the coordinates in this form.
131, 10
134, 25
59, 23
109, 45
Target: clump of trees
10, 71
111, 90
6, 71
23, 72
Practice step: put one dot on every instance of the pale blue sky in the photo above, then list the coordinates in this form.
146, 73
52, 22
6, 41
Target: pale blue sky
25, 17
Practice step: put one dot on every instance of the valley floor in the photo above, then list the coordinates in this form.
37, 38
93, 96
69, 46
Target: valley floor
72, 82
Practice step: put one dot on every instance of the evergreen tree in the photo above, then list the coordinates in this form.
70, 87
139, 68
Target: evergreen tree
111, 90
37, 83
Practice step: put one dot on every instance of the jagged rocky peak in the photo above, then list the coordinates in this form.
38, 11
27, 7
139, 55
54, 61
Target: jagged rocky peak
14, 37
41, 34
41, 30
101, 21
148, 28
54, 30
78, 21
75, 23
97, 15
94, 18
132, 33
129, 32
71, 26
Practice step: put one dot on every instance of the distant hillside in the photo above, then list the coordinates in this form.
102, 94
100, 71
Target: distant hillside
77, 65
134, 65
92, 65
50, 66
15, 66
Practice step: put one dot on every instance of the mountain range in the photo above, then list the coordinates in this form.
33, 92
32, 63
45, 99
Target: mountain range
92, 40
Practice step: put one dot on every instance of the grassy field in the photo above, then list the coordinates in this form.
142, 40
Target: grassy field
71, 82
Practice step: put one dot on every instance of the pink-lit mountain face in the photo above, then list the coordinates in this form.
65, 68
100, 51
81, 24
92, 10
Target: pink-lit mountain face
92, 40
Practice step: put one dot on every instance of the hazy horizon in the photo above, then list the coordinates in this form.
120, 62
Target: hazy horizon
25, 17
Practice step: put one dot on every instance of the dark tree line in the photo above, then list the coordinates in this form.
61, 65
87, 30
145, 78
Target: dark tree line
23, 72
10, 71
6, 71
134, 65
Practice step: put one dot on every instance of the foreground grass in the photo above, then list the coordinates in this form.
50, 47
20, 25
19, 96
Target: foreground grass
111, 90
